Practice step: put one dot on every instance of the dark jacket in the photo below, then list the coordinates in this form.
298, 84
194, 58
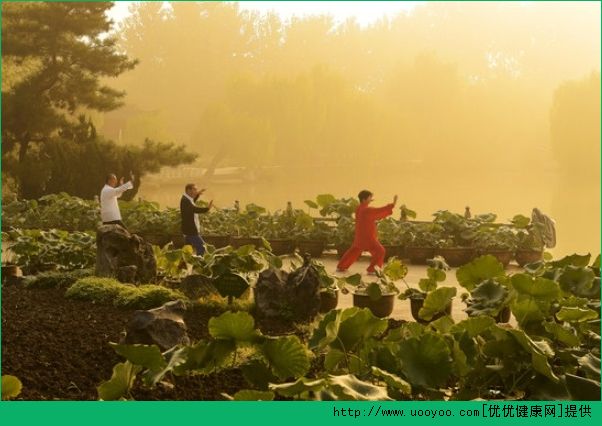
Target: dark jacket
187, 211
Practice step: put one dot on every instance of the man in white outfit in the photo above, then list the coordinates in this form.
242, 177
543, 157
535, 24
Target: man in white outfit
109, 208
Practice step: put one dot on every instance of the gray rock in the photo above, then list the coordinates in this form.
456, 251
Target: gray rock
284, 296
117, 248
163, 326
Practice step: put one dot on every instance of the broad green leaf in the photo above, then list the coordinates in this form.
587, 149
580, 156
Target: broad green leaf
350, 388
540, 288
576, 314
576, 280
443, 325
396, 270
487, 298
237, 326
311, 204
460, 365
426, 360
526, 309
360, 325
298, 387
327, 330
590, 365
354, 280
427, 284
474, 326
325, 199
393, 381
332, 360
11, 387
540, 352
231, 285
286, 356
582, 389
258, 374
436, 274
147, 356
122, 380
562, 334
520, 221
251, 395
373, 291
206, 357
573, 260
481, 269
436, 301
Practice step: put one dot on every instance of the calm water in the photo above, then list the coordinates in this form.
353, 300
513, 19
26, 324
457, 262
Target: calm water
574, 206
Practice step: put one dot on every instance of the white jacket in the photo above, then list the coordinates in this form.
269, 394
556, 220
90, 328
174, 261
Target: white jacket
109, 208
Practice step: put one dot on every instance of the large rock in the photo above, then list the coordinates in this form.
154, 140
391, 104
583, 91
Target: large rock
284, 296
196, 286
163, 326
122, 255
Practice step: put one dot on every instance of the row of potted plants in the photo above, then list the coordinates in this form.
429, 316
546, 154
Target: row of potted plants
457, 238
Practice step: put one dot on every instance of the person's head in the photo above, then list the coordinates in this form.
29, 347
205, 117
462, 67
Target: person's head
111, 180
191, 190
365, 196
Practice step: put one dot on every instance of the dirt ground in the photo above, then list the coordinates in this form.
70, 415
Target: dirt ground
59, 347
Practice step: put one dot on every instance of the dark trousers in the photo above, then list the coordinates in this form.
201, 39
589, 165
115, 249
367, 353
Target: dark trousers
196, 242
115, 222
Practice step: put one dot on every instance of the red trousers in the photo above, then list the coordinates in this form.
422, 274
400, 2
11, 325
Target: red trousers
376, 250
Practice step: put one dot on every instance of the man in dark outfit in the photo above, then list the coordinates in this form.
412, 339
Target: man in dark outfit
190, 221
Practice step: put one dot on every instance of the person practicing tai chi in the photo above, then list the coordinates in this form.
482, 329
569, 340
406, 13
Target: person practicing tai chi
190, 220
109, 208
365, 233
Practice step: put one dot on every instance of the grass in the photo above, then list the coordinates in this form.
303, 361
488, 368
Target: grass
56, 279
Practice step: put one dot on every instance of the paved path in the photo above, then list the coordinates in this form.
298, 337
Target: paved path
415, 273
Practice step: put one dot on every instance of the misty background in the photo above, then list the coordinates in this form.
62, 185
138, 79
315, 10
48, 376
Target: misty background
490, 105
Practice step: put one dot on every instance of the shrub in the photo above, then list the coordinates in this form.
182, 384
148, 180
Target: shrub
109, 290
55, 279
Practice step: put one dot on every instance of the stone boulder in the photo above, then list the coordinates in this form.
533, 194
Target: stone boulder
287, 296
197, 286
163, 326
125, 256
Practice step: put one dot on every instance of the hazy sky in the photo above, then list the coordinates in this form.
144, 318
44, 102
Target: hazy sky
365, 12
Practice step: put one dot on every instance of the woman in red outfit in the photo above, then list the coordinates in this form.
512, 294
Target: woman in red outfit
365, 233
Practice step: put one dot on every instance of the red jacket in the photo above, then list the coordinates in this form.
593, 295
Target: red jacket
365, 223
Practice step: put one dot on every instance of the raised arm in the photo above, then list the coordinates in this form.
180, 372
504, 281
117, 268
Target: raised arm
380, 212
119, 190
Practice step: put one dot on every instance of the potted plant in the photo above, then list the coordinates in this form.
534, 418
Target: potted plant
217, 226
456, 246
247, 227
430, 302
423, 238
529, 245
489, 298
343, 235
311, 235
379, 295
277, 229
488, 288
389, 236
498, 241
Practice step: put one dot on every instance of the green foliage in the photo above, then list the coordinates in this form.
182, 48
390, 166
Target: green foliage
482, 268
57, 279
487, 298
436, 301
120, 383
128, 296
11, 387
426, 360
68, 250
